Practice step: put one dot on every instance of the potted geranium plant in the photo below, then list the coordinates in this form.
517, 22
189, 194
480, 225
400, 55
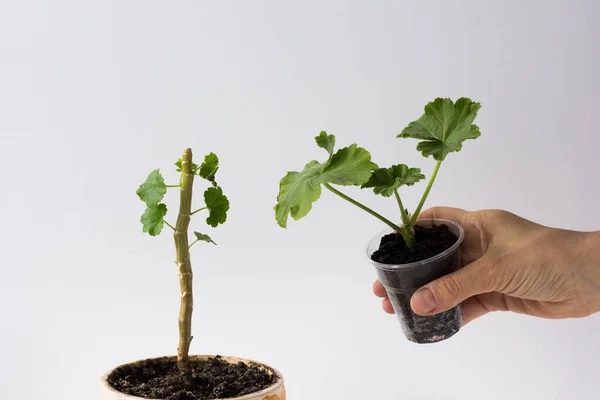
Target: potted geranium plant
415, 252
185, 376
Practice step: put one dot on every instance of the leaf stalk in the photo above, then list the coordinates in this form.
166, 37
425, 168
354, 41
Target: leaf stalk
169, 225
425, 194
198, 210
407, 231
364, 208
403, 213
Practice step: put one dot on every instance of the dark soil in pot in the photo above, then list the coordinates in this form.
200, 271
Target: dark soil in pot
401, 283
213, 378
429, 243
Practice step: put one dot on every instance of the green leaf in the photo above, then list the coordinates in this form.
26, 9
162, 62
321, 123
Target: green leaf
203, 237
382, 181
385, 180
153, 189
326, 142
407, 176
444, 127
350, 166
178, 165
152, 219
217, 204
297, 192
209, 167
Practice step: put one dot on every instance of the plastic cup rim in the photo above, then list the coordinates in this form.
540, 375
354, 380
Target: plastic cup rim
393, 267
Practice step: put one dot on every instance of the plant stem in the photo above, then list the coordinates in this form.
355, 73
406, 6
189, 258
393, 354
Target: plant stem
403, 214
364, 208
200, 209
407, 231
169, 225
193, 243
173, 186
422, 202
184, 266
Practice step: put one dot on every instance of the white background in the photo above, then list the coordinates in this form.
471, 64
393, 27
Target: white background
94, 95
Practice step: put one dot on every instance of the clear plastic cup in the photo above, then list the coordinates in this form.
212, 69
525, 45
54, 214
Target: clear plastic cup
402, 280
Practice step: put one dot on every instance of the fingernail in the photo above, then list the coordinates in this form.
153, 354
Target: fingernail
424, 301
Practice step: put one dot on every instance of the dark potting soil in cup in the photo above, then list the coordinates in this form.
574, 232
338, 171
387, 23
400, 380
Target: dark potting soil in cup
429, 242
211, 379
401, 283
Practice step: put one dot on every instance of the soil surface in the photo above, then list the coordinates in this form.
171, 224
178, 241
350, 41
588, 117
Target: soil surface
429, 242
212, 379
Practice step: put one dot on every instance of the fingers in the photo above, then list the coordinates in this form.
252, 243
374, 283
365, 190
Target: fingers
387, 306
451, 290
379, 290
482, 304
472, 309
447, 213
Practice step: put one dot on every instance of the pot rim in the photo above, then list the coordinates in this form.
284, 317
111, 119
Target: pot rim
122, 396
394, 267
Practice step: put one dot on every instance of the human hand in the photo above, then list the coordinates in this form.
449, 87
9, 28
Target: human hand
512, 264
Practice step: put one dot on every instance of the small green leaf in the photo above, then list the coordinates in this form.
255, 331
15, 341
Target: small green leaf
385, 180
153, 189
178, 165
382, 181
444, 127
350, 166
209, 167
203, 237
407, 176
326, 142
217, 204
152, 219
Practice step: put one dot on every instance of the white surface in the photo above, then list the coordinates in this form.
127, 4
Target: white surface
93, 95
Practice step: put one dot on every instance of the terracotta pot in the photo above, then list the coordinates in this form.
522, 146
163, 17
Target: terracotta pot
274, 392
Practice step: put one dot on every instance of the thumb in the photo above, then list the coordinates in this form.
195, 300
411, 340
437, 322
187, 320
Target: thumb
451, 290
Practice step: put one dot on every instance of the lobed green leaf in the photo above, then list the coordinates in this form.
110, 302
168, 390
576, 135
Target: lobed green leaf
153, 219
350, 166
326, 142
209, 167
153, 190
385, 180
444, 126
217, 204
297, 192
